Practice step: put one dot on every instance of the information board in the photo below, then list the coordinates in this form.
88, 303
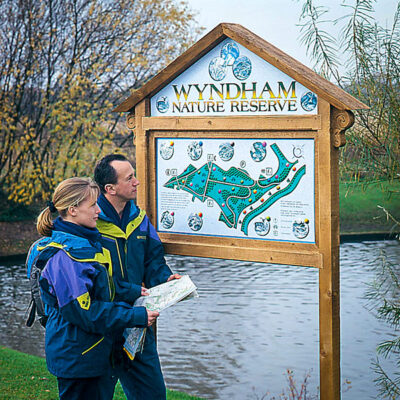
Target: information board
234, 187
237, 152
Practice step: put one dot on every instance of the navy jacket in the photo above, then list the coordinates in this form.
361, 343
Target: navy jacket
83, 318
136, 250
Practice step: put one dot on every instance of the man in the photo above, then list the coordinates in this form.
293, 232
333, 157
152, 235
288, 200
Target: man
138, 258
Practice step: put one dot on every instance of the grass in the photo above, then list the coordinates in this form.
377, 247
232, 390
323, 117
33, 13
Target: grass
359, 202
23, 377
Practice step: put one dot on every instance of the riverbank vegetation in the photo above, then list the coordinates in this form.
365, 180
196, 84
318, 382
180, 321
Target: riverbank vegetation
23, 377
67, 63
372, 154
384, 295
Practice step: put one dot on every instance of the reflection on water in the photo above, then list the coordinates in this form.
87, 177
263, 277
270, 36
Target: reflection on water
14, 298
251, 322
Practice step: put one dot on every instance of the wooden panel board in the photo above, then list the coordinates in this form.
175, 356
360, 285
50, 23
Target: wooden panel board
292, 253
142, 158
269, 254
255, 123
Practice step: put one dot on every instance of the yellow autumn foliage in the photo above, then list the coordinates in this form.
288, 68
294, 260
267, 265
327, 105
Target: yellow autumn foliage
61, 74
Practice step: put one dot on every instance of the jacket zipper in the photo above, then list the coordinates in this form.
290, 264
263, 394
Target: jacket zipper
126, 253
118, 252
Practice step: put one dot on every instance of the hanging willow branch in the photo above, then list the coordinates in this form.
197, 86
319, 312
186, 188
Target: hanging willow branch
365, 61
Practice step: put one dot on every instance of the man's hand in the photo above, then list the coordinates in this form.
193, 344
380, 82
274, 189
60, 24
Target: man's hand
174, 276
151, 317
144, 292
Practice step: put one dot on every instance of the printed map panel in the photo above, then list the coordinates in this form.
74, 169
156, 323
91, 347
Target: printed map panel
247, 188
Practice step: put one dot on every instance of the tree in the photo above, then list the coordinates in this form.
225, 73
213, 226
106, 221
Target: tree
64, 65
372, 74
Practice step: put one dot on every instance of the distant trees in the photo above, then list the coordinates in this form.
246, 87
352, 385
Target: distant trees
371, 72
64, 64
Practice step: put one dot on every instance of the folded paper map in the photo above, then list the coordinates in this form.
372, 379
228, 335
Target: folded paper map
160, 297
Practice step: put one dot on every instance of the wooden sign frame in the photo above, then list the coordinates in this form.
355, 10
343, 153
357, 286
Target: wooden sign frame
326, 128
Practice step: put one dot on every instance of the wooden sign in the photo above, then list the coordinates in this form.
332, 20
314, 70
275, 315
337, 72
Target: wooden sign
232, 80
237, 148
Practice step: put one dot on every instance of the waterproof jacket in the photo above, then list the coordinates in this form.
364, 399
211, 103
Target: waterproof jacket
136, 250
78, 292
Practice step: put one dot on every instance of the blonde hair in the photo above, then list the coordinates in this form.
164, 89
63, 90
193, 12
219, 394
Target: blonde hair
70, 192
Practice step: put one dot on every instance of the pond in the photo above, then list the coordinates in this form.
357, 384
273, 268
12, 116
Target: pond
250, 324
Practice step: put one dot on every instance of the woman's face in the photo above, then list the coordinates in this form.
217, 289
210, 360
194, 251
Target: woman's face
86, 214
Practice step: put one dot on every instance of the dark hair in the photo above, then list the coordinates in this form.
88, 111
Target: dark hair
104, 173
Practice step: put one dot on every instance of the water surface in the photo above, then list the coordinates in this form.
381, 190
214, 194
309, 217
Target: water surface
250, 324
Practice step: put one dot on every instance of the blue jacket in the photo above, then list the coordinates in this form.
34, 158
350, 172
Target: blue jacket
83, 318
136, 250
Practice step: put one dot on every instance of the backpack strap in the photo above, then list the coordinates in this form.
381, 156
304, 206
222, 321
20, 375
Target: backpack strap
36, 305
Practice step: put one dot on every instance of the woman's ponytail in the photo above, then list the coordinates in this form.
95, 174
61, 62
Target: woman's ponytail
44, 223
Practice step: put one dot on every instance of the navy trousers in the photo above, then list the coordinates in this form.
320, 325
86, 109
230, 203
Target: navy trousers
98, 388
142, 379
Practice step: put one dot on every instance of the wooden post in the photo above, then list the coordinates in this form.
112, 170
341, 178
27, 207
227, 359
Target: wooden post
142, 155
334, 123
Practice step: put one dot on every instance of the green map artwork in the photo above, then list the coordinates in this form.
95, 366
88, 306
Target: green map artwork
240, 197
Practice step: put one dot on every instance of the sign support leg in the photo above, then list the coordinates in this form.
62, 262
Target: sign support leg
329, 298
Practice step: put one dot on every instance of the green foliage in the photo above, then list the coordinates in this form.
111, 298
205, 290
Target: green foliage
65, 64
24, 377
371, 74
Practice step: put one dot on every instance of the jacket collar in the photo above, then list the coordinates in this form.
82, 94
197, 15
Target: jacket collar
92, 235
109, 214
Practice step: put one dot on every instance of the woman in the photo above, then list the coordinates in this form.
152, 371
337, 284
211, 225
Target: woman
78, 293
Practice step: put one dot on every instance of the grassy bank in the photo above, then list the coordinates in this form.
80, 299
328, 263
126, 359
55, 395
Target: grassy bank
359, 211
23, 376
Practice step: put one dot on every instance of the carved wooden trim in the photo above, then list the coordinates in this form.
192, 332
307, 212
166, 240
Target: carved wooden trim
341, 120
130, 120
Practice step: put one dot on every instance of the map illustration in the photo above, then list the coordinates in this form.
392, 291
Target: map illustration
263, 190
235, 190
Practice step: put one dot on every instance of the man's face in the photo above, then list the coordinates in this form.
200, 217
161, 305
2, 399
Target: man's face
125, 188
